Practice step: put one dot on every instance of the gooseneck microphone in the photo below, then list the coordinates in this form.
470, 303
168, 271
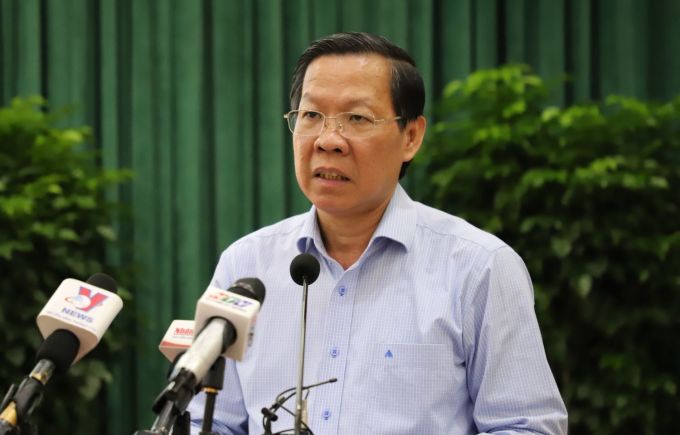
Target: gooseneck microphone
73, 321
304, 269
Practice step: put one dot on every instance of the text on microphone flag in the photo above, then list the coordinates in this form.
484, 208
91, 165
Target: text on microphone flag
228, 298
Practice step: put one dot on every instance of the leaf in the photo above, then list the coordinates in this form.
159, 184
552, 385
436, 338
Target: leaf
106, 232
584, 285
7, 248
67, 234
516, 108
561, 247
16, 206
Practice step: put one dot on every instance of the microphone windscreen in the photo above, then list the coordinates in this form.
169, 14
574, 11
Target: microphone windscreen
60, 347
304, 266
104, 281
251, 288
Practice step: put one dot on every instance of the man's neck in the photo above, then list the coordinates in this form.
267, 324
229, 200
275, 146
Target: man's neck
346, 237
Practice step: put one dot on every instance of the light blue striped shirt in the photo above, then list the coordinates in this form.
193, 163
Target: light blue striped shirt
431, 331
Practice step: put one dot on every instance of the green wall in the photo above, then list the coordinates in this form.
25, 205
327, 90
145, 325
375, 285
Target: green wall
190, 95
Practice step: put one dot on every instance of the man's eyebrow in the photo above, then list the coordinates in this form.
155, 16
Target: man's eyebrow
365, 101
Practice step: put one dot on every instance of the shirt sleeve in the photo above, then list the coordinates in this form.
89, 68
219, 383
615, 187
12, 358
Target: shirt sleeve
509, 379
230, 415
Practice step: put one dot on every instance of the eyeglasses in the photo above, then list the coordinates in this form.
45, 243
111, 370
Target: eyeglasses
350, 125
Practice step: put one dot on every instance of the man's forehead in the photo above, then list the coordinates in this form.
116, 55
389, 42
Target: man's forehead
356, 73
348, 63
348, 81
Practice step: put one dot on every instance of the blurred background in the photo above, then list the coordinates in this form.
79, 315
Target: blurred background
168, 115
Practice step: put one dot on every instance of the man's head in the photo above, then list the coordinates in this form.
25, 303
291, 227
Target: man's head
356, 123
406, 84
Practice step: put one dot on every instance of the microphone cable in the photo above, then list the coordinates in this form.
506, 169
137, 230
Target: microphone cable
269, 414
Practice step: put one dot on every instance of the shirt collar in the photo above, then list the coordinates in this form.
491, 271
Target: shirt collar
399, 221
310, 233
397, 224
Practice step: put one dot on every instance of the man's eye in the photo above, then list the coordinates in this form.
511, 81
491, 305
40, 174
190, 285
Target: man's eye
356, 118
311, 115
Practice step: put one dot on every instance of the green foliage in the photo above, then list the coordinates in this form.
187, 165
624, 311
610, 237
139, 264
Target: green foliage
588, 195
54, 223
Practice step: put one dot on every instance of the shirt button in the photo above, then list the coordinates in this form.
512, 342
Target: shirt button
326, 414
342, 290
334, 352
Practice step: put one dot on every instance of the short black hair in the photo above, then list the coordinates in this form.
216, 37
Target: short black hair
407, 88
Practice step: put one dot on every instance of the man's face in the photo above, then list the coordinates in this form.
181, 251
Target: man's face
352, 177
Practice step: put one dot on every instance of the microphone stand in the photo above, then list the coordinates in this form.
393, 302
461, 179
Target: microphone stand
299, 401
170, 406
182, 425
169, 422
17, 405
212, 384
24, 429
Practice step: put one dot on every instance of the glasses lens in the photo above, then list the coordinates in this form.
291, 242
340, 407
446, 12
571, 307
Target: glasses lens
348, 124
291, 117
355, 124
306, 122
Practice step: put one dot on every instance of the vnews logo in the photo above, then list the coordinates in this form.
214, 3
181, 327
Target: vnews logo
84, 301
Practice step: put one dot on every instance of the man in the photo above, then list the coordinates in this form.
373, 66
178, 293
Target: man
426, 321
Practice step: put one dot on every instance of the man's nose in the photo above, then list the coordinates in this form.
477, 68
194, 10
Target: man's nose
331, 138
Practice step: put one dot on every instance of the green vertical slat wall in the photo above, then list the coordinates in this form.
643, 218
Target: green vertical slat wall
579, 61
28, 50
627, 33
190, 96
269, 105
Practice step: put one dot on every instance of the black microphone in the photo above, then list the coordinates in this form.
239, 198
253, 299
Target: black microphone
104, 281
304, 269
54, 356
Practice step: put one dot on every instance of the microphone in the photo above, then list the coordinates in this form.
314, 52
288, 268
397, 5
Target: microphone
54, 356
224, 324
225, 319
84, 309
73, 321
304, 269
177, 339
175, 342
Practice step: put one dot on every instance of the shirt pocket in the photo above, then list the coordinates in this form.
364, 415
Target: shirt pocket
406, 383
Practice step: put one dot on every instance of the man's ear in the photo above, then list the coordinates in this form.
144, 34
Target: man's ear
415, 132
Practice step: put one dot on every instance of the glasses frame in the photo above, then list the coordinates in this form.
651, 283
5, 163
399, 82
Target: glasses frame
338, 124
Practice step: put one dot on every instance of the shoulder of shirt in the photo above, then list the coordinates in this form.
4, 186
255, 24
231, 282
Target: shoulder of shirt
442, 224
282, 228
